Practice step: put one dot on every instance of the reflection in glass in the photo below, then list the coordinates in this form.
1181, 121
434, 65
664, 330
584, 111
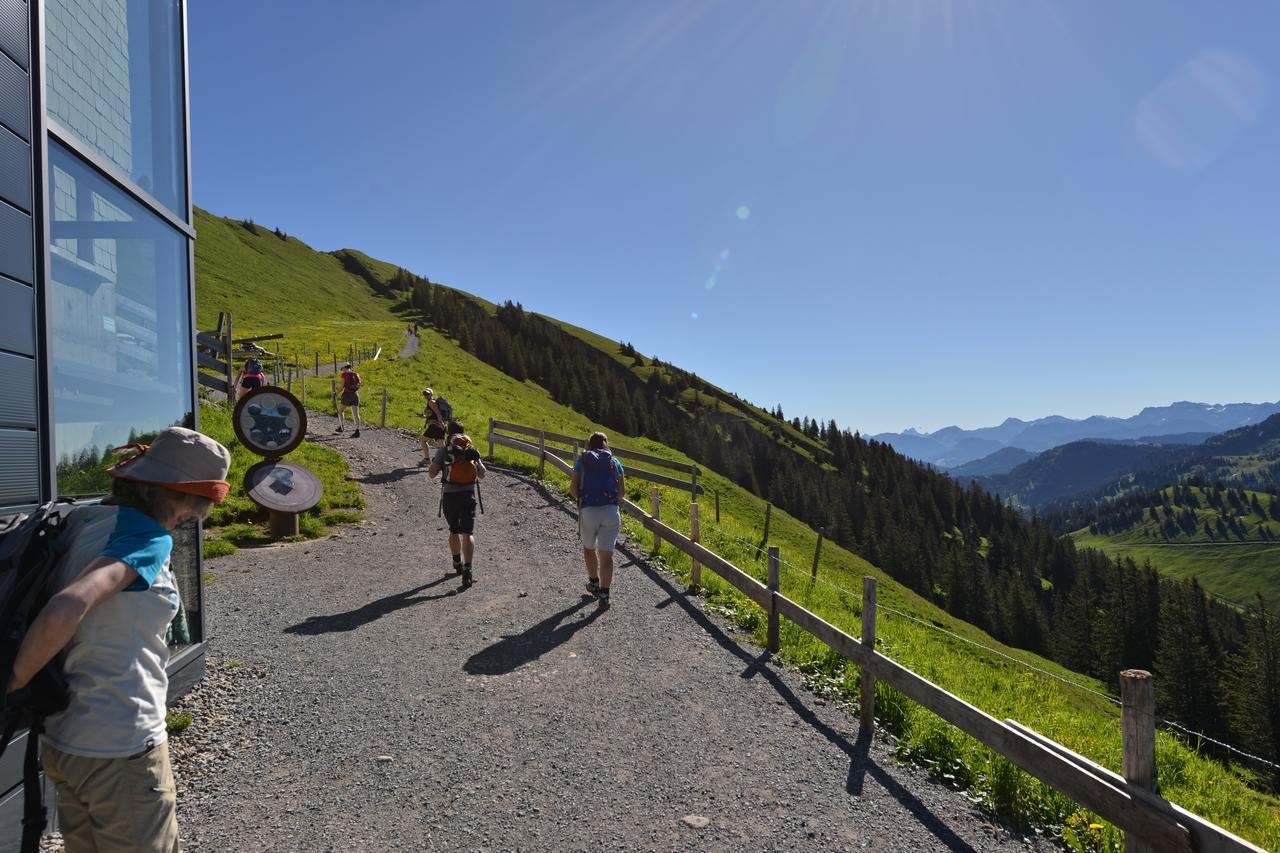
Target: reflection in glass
114, 79
185, 628
119, 322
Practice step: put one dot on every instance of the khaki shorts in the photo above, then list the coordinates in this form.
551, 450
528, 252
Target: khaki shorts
115, 804
598, 527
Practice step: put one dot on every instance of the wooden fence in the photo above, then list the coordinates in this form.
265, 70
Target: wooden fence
1128, 801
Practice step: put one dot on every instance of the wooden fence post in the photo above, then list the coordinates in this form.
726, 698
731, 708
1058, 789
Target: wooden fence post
231, 368
655, 509
302, 386
335, 364
384, 408
542, 454
817, 552
490, 439
717, 506
1138, 736
289, 383
774, 582
768, 515
317, 370
694, 484
695, 574
868, 690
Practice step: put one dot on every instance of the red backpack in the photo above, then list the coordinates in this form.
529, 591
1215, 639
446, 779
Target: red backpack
350, 380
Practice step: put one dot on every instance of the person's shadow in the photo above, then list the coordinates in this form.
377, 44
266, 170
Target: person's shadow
353, 619
515, 650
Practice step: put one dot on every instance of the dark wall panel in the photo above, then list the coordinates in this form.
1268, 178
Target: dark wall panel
18, 402
15, 98
16, 249
15, 170
17, 318
19, 467
13, 31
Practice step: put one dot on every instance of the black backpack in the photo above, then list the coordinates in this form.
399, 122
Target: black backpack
446, 409
30, 547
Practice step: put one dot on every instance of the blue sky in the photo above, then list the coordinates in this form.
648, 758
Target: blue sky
894, 213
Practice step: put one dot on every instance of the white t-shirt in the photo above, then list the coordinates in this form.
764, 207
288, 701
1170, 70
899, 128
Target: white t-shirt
116, 660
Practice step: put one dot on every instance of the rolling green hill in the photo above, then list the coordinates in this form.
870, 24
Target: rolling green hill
1228, 538
323, 302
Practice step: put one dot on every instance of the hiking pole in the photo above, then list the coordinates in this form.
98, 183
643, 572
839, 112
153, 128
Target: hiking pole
480, 497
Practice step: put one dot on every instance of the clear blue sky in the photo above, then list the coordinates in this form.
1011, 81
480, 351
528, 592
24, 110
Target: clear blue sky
894, 213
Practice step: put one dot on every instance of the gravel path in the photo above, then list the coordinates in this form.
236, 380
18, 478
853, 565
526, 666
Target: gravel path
358, 700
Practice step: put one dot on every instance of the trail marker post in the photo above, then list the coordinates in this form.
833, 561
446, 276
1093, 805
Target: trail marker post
695, 573
817, 552
774, 583
384, 408
868, 689
1138, 737
655, 509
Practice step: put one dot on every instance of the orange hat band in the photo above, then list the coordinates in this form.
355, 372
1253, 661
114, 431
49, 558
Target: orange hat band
215, 490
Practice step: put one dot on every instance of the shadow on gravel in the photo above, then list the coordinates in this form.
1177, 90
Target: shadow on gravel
361, 616
859, 751
385, 477
514, 651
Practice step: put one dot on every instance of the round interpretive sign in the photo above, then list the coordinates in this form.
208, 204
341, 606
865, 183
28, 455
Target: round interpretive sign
282, 486
269, 421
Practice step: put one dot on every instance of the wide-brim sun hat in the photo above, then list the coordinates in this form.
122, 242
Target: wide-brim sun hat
181, 460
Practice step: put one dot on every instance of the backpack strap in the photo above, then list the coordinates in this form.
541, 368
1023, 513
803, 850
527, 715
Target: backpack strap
34, 813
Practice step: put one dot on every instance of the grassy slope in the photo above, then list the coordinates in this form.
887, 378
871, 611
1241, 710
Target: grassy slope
1081, 721
1231, 568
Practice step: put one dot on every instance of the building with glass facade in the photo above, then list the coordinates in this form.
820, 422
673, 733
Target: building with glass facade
96, 265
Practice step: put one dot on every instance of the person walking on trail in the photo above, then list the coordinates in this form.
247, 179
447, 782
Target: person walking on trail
251, 376
598, 482
462, 469
107, 753
433, 428
350, 399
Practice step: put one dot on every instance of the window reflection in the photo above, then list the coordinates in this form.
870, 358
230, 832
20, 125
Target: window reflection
114, 79
119, 318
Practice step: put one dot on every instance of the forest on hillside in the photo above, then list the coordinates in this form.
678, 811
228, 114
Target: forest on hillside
1217, 668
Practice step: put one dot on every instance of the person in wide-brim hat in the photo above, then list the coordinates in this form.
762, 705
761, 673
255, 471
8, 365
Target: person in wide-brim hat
107, 753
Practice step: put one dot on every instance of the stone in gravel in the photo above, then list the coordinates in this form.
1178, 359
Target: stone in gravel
697, 821
383, 759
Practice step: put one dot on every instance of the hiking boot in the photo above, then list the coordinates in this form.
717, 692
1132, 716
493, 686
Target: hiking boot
466, 577
457, 567
355, 434
602, 598
593, 587
339, 429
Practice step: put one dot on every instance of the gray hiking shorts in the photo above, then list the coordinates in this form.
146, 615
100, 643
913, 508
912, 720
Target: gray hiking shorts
598, 527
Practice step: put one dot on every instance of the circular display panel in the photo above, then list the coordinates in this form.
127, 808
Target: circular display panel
282, 486
269, 421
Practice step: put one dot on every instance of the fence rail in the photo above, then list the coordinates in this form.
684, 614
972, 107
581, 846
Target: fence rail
1149, 821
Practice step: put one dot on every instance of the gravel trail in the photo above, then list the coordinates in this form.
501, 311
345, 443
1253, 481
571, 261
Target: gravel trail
359, 700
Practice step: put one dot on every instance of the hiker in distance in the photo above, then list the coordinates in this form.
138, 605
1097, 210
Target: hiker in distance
598, 482
251, 376
435, 413
107, 753
462, 469
350, 399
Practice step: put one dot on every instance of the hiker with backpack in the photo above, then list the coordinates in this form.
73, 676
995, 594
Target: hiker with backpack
461, 469
436, 414
104, 633
598, 482
251, 376
350, 398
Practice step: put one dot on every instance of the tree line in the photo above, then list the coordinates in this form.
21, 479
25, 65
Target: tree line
959, 546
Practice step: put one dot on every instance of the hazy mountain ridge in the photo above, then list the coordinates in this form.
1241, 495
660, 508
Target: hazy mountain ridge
952, 447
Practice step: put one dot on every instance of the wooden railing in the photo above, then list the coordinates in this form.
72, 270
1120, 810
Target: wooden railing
1150, 822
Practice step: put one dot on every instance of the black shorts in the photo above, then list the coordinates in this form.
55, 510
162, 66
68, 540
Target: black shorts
460, 511
350, 398
434, 430
250, 382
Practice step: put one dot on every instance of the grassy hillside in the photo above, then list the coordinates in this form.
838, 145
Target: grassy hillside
999, 683
1228, 538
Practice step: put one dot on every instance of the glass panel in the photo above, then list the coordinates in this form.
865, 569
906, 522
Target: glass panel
187, 626
120, 322
114, 72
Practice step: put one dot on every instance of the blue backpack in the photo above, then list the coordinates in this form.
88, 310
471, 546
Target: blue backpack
599, 479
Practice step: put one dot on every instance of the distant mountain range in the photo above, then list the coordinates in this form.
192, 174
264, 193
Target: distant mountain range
1082, 472
1180, 423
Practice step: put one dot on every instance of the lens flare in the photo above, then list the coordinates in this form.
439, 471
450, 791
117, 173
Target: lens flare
744, 213
694, 315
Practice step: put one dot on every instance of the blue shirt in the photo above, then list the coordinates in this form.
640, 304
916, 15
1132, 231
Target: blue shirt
141, 544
